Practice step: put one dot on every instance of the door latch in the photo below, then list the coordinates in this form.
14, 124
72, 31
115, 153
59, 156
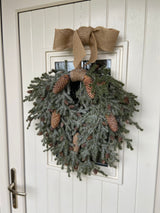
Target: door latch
13, 189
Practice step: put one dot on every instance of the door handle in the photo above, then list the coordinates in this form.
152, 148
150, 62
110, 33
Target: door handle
13, 189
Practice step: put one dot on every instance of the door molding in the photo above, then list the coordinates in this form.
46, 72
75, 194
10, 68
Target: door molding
52, 4
157, 189
4, 172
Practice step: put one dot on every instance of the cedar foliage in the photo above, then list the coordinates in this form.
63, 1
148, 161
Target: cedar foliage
84, 117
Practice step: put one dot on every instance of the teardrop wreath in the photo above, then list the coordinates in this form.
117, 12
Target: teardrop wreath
82, 117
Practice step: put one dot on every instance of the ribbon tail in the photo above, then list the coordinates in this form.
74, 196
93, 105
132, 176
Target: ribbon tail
78, 49
93, 48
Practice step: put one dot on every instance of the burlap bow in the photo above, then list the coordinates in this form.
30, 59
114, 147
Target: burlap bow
97, 38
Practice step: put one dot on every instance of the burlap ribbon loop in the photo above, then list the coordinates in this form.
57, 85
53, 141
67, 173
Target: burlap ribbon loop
77, 75
96, 38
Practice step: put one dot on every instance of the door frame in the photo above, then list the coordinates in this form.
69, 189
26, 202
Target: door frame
4, 172
157, 191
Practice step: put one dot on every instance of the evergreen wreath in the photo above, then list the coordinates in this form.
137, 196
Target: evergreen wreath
82, 122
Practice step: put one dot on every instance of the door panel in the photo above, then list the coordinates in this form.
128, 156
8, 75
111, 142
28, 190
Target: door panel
116, 16
147, 160
37, 178
134, 33
49, 190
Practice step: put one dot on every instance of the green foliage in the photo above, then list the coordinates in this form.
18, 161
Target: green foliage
85, 116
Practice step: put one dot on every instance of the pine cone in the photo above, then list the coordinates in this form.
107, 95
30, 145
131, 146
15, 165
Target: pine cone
112, 122
60, 84
62, 124
66, 102
120, 139
76, 167
126, 100
55, 119
40, 133
90, 137
95, 171
71, 106
71, 148
61, 138
87, 82
83, 145
75, 142
103, 161
30, 91
107, 155
102, 83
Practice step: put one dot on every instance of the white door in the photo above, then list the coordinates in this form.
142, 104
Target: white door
28, 30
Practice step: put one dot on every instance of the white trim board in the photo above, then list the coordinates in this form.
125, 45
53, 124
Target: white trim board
157, 191
119, 71
4, 176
